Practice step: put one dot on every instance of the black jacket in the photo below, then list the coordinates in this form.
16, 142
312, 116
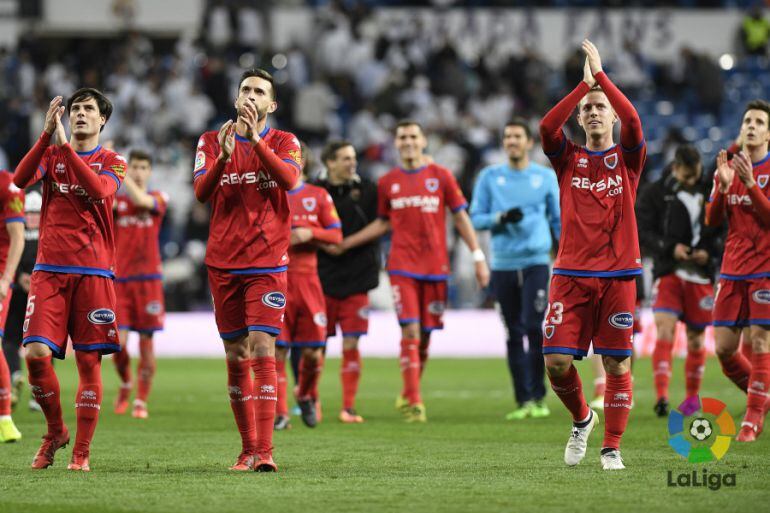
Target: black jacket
664, 222
358, 269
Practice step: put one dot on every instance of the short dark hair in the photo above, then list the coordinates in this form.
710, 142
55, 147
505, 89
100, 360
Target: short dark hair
330, 150
758, 105
596, 88
519, 121
259, 73
408, 122
139, 155
687, 155
86, 93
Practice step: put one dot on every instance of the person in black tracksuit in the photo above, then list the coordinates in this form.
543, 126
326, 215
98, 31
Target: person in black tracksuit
670, 214
17, 307
348, 277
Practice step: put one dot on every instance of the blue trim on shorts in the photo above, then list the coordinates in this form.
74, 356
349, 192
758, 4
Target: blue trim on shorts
759, 322
613, 352
139, 277
71, 269
597, 274
407, 321
282, 343
565, 350
144, 331
668, 310
354, 333
104, 347
57, 351
731, 324
429, 329
697, 326
423, 277
741, 277
256, 270
270, 330
313, 344
229, 335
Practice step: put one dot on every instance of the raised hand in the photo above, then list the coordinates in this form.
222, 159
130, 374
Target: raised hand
724, 171
251, 118
54, 108
588, 77
742, 164
61, 135
226, 139
592, 54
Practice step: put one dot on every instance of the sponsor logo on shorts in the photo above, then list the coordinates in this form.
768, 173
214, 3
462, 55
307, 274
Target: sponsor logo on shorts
363, 312
761, 296
436, 307
274, 300
621, 320
706, 303
154, 308
101, 316
320, 319
548, 331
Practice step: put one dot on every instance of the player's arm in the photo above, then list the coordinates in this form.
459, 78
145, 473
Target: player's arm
552, 136
205, 178
367, 234
716, 209
285, 172
15, 229
29, 169
553, 209
464, 227
138, 197
330, 231
481, 213
759, 201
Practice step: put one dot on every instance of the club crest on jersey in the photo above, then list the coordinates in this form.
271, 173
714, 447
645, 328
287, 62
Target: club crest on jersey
431, 184
309, 204
101, 316
621, 320
762, 180
611, 160
761, 296
274, 300
96, 166
548, 331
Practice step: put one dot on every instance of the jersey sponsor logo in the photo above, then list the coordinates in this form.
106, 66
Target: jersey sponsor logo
119, 169
143, 220
706, 303
200, 161
101, 316
536, 181
427, 204
309, 204
621, 320
154, 308
274, 300
612, 184
319, 318
761, 296
739, 200
260, 178
762, 180
548, 331
436, 308
431, 184
611, 161
73, 188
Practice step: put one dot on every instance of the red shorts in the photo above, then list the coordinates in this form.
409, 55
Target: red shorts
305, 322
638, 317
690, 302
82, 306
583, 310
420, 301
742, 303
351, 313
247, 302
141, 306
4, 311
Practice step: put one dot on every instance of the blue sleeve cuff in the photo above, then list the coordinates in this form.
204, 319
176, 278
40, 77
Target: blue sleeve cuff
293, 162
635, 148
199, 173
113, 176
561, 148
14, 220
333, 225
459, 208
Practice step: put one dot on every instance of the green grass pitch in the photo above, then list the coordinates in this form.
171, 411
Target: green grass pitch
466, 458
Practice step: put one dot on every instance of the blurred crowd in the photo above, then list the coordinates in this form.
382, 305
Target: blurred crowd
361, 74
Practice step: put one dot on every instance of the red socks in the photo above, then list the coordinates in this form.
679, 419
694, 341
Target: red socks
410, 370
350, 374
123, 365
759, 384
617, 406
694, 365
5, 386
265, 399
661, 366
89, 398
240, 387
423, 355
600, 385
45, 389
569, 388
309, 373
746, 350
282, 406
146, 368
737, 368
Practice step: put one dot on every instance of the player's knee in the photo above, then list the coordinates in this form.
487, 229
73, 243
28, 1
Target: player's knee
694, 340
411, 331
38, 350
665, 330
237, 350
557, 365
311, 354
616, 366
724, 351
760, 342
349, 343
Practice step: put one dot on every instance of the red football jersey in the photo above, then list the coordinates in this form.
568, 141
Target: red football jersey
76, 232
597, 193
311, 207
747, 248
136, 238
250, 218
11, 211
414, 201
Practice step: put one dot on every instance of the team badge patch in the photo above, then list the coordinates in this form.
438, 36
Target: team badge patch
762, 180
431, 184
274, 300
548, 331
621, 320
296, 155
200, 160
96, 166
761, 296
101, 316
309, 204
611, 161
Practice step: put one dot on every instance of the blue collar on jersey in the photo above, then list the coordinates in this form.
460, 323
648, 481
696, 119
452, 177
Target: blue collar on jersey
412, 171
602, 152
294, 191
262, 135
755, 164
85, 153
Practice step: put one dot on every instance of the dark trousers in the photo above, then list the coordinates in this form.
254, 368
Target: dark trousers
13, 329
522, 297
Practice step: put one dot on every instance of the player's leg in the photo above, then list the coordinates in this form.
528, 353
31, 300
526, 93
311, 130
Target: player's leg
534, 302
617, 405
730, 316
87, 404
746, 349
145, 372
353, 317
282, 418
665, 329
309, 374
695, 362
600, 382
406, 301
122, 363
12, 347
44, 385
8, 430
759, 384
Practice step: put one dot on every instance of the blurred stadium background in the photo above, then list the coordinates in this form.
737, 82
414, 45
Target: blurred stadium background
350, 69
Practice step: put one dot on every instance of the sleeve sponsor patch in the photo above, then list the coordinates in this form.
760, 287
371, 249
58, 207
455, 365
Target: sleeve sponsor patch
119, 169
296, 155
200, 161
16, 205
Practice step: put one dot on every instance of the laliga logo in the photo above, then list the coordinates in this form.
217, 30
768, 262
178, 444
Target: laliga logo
621, 320
274, 300
101, 316
701, 428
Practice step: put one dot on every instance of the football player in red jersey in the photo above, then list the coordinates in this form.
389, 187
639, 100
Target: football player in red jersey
740, 195
593, 291
11, 249
412, 200
72, 291
138, 219
245, 171
314, 221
